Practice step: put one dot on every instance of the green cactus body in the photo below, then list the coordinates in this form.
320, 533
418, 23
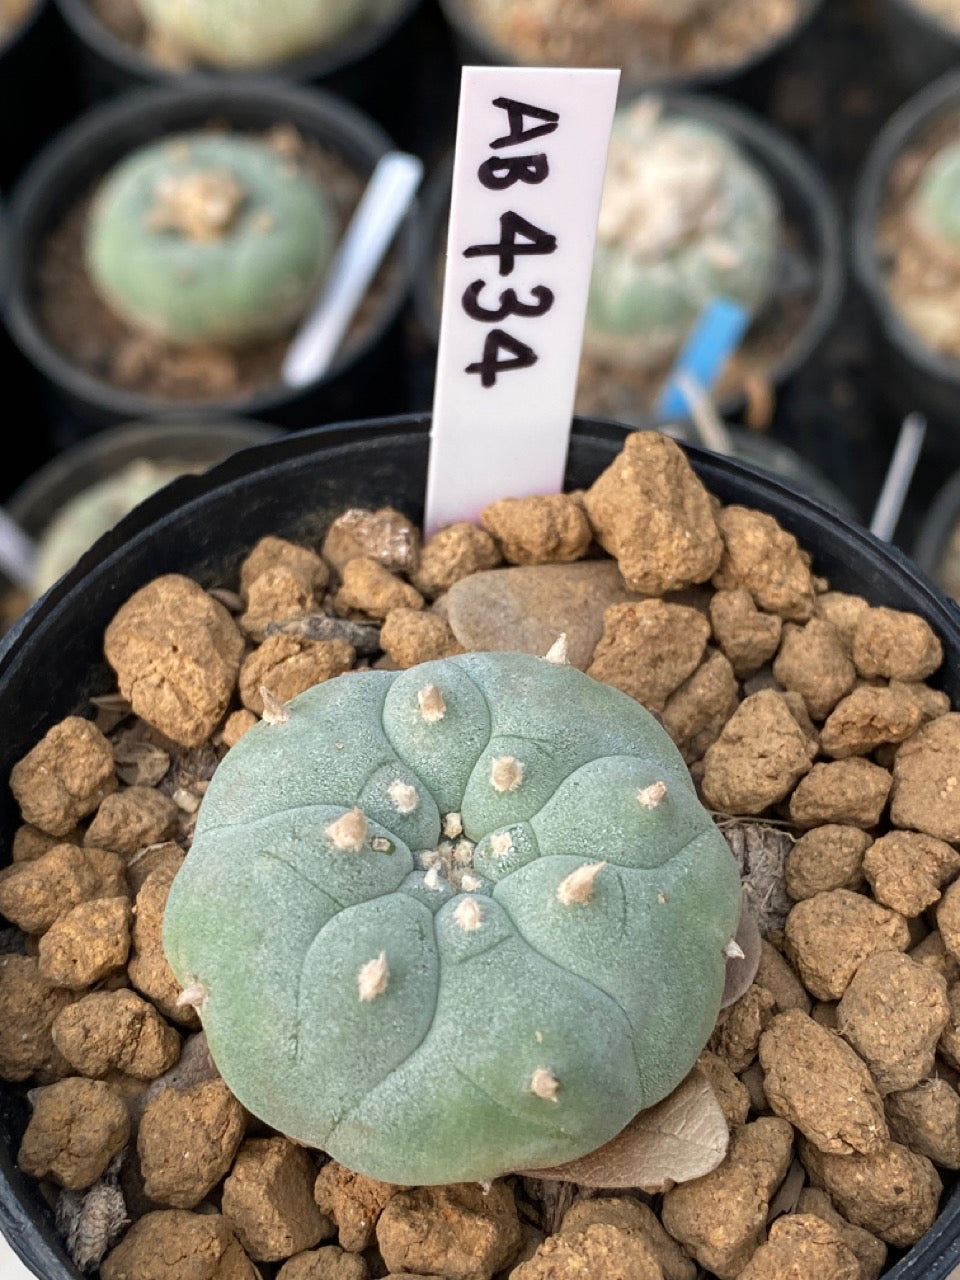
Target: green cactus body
685, 218
433, 1007
935, 205
251, 33
209, 238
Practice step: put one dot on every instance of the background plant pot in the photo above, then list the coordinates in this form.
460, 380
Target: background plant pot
912, 375
808, 206
750, 81
37, 87
920, 46
367, 372
366, 66
934, 536
293, 487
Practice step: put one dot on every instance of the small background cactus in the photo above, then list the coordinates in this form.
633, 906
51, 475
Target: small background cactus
454, 921
251, 33
685, 218
209, 238
935, 206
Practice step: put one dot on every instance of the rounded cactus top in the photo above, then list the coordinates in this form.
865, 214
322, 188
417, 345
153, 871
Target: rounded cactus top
252, 33
935, 206
685, 218
454, 921
209, 238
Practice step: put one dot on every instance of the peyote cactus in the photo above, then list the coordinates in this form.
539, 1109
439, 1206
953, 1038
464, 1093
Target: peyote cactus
251, 33
454, 921
935, 204
685, 218
209, 238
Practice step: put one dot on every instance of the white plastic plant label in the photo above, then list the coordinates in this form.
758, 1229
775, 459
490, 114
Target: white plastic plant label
528, 174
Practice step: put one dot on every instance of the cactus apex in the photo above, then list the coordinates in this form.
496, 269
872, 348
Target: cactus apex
506, 773
470, 882
373, 978
653, 796
558, 651
432, 705
403, 796
578, 885
348, 832
733, 950
193, 994
469, 915
545, 1084
432, 879
274, 711
201, 205
452, 825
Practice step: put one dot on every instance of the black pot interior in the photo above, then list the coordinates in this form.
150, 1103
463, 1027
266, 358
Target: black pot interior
294, 486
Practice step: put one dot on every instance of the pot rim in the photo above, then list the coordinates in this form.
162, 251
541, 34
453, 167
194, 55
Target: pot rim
66, 163
782, 161
906, 124
316, 65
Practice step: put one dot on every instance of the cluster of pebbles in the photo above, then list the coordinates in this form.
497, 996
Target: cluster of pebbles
807, 722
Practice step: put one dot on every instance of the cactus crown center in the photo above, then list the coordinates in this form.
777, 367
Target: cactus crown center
201, 205
451, 860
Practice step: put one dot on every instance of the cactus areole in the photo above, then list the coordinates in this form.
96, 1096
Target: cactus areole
454, 921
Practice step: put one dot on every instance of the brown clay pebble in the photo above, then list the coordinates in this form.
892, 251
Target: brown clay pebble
35, 894
64, 777
851, 791
453, 553
816, 1081
893, 1193
634, 1217
328, 1263
949, 1046
829, 936
926, 780
932, 952
600, 1251
893, 1012
801, 1246
167, 857
353, 1201
543, 530
76, 1129
87, 943
268, 1200
289, 665
844, 611
172, 1244
273, 553
767, 561
29, 1006
115, 1031
869, 717
896, 645
374, 590
905, 870
696, 713
148, 969
30, 843
187, 1141
748, 637
130, 819
409, 636
933, 703
385, 534
652, 514
814, 663
870, 1252
948, 919
729, 1091
759, 756
926, 1119
720, 1218
779, 979
278, 595
737, 1032
649, 648
236, 725
457, 1231
828, 857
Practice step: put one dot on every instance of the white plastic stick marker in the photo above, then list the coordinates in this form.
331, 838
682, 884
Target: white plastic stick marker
527, 180
896, 484
382, 208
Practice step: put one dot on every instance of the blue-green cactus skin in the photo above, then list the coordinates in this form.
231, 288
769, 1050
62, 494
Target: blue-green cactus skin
610, 997
935, 205
253, 281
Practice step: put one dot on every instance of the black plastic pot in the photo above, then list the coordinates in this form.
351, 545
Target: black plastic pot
38, 91
920, 47
367, 376
750, 81
365, 66
806, 199
912, 376
52, 660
